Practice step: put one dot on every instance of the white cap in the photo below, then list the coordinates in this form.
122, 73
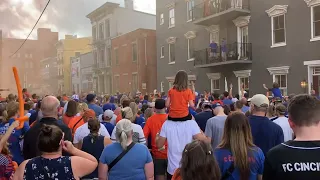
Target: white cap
108, 113
259, 100
152, 104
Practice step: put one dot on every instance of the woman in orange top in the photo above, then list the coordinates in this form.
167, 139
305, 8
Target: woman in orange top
78, 121
197, 163
179, 98
71, 112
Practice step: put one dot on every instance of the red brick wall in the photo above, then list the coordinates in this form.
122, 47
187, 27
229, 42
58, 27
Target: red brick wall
42, 48
147, 73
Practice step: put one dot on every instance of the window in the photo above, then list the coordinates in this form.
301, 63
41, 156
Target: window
107, 22
281, 79
116, 56
172, 57
101, 31
315, 21
162, 52
134, 82
161, 19
171, 18
102, 58
78, 88
134, 52
109, 57
190, 6
77, 72
215, 85
190, 49
170, 84
116, 83
94, 33
161, 87
245, 82
279, 34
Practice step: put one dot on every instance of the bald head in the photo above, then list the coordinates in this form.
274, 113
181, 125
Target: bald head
49, 106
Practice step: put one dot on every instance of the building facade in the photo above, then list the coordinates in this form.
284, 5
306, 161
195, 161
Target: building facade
27, 59
240, 42
82, 73
109, 21
134, 62
67, 48
49, 76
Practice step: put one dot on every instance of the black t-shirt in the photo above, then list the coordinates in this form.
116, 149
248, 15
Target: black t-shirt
293, 160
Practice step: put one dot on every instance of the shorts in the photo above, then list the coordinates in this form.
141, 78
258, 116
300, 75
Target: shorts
160, 166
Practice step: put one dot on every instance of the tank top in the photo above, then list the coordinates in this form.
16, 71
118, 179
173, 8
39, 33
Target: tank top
55, 169
95, 149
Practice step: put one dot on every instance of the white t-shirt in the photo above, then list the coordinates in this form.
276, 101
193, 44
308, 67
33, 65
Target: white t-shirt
84, 131
138, 135
178, 135
284, 124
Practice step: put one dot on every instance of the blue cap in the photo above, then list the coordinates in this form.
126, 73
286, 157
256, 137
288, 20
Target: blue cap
216, 105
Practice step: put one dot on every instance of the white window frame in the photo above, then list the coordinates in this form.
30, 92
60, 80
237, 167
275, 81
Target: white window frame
162, 52
284, 89
213, 89
134, 44
214, 77
190, 4
161, 19
313, 37
242, 74
169, 47
276, 11
161, 86
282, 70
172, 12
170, 84
189, 54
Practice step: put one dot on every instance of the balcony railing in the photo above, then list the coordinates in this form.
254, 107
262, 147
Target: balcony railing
212, 11
224, 54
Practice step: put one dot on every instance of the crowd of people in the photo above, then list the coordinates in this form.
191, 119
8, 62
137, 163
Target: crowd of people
179, 135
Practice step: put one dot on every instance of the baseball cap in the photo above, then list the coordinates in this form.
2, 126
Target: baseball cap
216, 105
260, 100
90, 97
89, 113
206, 104
160, 104
152, 104
108, 113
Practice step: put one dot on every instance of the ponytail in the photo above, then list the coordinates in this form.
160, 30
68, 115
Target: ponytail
123, 132
123, 140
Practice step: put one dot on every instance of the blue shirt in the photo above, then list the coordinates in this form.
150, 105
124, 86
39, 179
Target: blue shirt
192, 112
256, 159
245, 109
213, 45
108, 126
276, 92
144, 102
131, 166
202, 119
266, 134
140, 121
109, 106
97, 109
227, 101
14, 139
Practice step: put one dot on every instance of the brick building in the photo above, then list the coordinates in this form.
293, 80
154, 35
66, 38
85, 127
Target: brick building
134, 61
27, 59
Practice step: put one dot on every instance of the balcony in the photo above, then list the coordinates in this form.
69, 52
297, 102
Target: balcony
236, 53
214, 11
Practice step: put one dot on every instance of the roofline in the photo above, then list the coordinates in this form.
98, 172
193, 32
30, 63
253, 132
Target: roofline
144, 13
102, 7
132, 32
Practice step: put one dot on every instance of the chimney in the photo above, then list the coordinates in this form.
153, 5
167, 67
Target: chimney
129, 4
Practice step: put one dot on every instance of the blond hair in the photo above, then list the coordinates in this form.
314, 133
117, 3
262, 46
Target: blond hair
123, 132
11, 110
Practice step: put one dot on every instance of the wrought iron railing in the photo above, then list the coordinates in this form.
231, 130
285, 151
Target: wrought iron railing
223, 53
211, 7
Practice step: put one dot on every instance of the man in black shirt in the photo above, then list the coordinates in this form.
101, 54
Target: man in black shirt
49, 109
299, 158
202, 118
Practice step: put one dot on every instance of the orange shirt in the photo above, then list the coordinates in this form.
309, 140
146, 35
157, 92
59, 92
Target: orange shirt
152, 127
74, 123
66, 119
176, 175
179, 101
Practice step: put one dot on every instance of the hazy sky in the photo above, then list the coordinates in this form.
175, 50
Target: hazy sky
17, 17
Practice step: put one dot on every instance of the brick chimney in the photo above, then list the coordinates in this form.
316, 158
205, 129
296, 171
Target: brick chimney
129, 4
